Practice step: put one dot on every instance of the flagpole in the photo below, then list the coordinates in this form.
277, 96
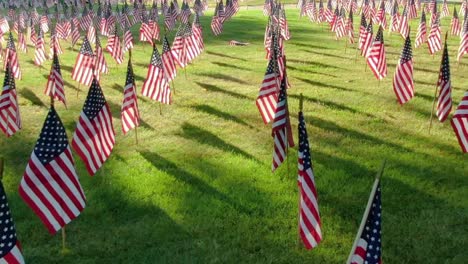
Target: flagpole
366, 212
436, 89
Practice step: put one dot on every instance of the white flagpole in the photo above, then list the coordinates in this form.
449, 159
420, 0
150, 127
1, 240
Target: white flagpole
366, 212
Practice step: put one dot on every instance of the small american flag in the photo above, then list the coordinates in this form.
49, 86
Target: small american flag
44, 23
362, 32
281, 129
412, 12
403, 84
445, 10
369, 245
463, 49
460, 123
350, 27
455, 24
170, 17
444, 102
11, 57
284, 28
101, 65
50, 185
91, 34
94, 136
421, 35
10, 247
184, 13
380, 16
39, 51
54, 44
198, 32
128, 40
268, 94
146, 33
33, 36
114, 46
168, 60
309, 218
216, 22
75, 33
156, 85
395, 18
129, 112
83, 69
54, 86
434, 41
10, 119
22, 42
367, 40
376, 58
403, 26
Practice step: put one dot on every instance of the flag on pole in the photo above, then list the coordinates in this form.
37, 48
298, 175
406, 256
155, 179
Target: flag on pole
310, 228
55, 86
367, 40
39, 51
403, 84
129, 112
268, 94
422, 31
114, 46
11, 57
444, 102
168, 60
83, 70
10, 119
455, 27
101, 65
156, 85
10, 247
434, 41
376, 58
50, 185
460, 123
403, 26
463, 49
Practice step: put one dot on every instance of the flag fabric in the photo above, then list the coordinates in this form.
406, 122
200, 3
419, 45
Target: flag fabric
128, 40
367, 40
412, 12
445, 10
281, 129
455, 27
309, 218
146, 33
421, 35
369, 245
83, 69
197, 32
216, 22
403, 84
403, 27
434, 41
22, 42
460, 123
350, 27
156, 85
55, 86
463, 49
114, 46
129, 112
376, 58
50, 185
10, 119
11, 57
395, 18
101, 65
170, 17
268, 94
284, 28
10, 247
75, 33
94, 136
39, 51
169, 64
362, 31
444, 102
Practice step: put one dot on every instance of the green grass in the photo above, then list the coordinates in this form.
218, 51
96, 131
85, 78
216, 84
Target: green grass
198, 186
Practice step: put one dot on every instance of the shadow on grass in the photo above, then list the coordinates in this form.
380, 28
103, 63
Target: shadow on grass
324, 85
32, 97
332, 105
310, 71
231, 66
213, 88
224, 55
224, 77
218, 113
314, 64
424, 96
308, 45
67, 68
205, 137
326, 55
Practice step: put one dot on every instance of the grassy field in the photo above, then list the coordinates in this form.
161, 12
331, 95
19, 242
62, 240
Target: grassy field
198, 186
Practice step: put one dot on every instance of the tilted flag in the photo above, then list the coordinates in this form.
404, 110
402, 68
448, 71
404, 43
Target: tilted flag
129, 112
50, 185
169, 64
460, 123
463, 49
309, 218
10, 119
10, 247
11, 57
444, 102
403, 84
156, 85
22, 42
368, 245
434, 40
281, 130
54, 86
455, 26
84, 65
268, 94
284, 28
94, 136
422, 31
376, 58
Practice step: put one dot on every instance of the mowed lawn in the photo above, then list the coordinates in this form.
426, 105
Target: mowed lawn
198, 187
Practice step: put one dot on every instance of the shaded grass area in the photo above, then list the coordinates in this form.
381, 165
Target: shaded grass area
198, 186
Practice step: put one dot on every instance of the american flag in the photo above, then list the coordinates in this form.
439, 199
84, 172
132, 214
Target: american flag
185, 47
10, 119
376, 58
156, 85
55, 86
328, 13
412, 12
154, 13
434, 42
309, 218
321, 14
50, 185
91, 35
311, 10
94, 136
114, 46
83, 69
340, 29
463, 49
129, 112
128, 40
350, 27
101, 65
198, 32
403, 84
284, 29
268, 94
33, 36
75, 33
230, 9
216, 22
380, 16
10, 247
445, 10
267, 7
169, 64
146, 33
184, 12
22, 42
281, 129
455, 24
403, 27
362, 31
170, 17
54, 44
421, 35
444, 103
460, 123
369, 245
367, 40
44, 23
11, 57
395, 18
85, 20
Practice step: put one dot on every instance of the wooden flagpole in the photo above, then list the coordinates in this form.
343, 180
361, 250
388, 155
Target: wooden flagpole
366, 212
436, 89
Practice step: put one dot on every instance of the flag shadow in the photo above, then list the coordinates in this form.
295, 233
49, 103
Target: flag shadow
224, 77
226, 65
223, 56
218, 113
310, 71
205, 137
324, 85
32, 97
213, 88
306, 45
327, 55
314, 64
